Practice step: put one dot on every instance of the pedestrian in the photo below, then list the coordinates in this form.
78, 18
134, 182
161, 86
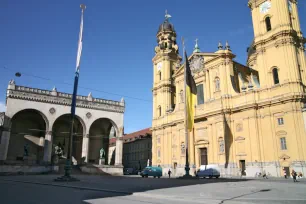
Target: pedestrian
264, 175
285, 173
293, 174
169, 173
241, 173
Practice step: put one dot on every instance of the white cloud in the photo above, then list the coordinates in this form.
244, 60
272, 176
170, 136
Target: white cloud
2, 107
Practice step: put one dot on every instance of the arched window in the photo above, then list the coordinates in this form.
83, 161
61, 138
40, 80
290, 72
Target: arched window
160, 76
200, 94
217, 84
268, 23
275, 76
159, 111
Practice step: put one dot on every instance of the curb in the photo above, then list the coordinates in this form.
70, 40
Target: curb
69, 186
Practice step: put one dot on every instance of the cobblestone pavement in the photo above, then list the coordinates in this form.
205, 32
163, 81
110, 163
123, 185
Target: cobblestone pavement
124, 189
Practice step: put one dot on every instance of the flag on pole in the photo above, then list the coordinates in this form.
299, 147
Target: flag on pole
191, 92
80, 43
77, 71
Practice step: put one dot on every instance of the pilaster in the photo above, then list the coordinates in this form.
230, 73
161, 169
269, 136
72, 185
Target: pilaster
48, 147
85, 147
119, 151
5, 139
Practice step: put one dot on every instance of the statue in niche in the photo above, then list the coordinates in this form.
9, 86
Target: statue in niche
221, 145
102, 153
59, 150
183, 149
182, 96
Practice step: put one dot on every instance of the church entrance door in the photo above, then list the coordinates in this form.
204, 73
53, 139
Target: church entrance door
203, 156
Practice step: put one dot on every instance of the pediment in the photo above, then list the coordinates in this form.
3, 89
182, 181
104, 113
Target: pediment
282, 132
239, 138
201, 141
284, 156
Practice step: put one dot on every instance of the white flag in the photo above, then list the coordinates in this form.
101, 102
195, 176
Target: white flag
80, 44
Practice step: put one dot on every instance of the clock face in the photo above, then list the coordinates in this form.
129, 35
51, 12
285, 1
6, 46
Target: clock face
159, 66
265, 7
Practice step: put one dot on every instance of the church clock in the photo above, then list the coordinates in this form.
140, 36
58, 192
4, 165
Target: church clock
265, 7
159, 66
290, 5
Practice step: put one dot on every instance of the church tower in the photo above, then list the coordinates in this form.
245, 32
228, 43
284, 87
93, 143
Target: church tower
277, 51
165, 62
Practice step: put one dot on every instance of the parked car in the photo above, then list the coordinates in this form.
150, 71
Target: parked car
151, 171
209, 171
128, 171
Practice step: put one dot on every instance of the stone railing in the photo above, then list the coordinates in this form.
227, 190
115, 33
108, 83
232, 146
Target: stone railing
54, 97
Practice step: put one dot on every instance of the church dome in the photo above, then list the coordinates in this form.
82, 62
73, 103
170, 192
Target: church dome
166, 26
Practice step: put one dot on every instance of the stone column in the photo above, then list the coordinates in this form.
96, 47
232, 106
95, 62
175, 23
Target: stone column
48, 147
4, 144
85, 148
119, 151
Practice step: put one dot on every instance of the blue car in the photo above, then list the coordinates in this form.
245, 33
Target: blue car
151, 171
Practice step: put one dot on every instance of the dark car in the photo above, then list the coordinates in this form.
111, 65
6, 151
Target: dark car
151, 171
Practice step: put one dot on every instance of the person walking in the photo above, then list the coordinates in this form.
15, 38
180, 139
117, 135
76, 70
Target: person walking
285, 173
293, 173
169, 173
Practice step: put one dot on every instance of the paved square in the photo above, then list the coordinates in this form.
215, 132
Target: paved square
127, 190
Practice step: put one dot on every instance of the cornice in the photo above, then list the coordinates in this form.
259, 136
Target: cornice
44, 96
254, 105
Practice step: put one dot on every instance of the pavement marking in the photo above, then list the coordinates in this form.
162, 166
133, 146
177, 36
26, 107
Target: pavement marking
69, 186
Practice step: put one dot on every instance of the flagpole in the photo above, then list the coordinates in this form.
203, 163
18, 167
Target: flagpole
68, 165
187, 168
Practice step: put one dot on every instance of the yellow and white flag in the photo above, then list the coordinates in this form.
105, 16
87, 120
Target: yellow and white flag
191, 94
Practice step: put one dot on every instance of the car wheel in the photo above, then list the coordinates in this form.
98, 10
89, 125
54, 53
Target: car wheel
217, 177
154, 176
147, 176
159, 177
142, 176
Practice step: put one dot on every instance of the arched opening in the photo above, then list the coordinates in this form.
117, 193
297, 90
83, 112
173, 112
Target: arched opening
27, 137
61, 134
100, 133
159, 111
268, 23
159, 75
275, 76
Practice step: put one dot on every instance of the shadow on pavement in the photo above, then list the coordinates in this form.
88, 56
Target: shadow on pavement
263, 190
130, 185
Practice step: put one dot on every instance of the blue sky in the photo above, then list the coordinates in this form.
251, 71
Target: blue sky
40, 38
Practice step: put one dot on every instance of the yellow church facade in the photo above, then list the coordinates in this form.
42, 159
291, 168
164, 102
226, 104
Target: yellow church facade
248, 117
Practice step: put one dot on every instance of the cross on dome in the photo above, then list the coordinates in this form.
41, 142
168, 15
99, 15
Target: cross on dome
167, 16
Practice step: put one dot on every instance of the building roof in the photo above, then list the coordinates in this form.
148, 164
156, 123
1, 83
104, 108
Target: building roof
133, 136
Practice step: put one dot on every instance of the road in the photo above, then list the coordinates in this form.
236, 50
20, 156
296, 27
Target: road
128, 190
